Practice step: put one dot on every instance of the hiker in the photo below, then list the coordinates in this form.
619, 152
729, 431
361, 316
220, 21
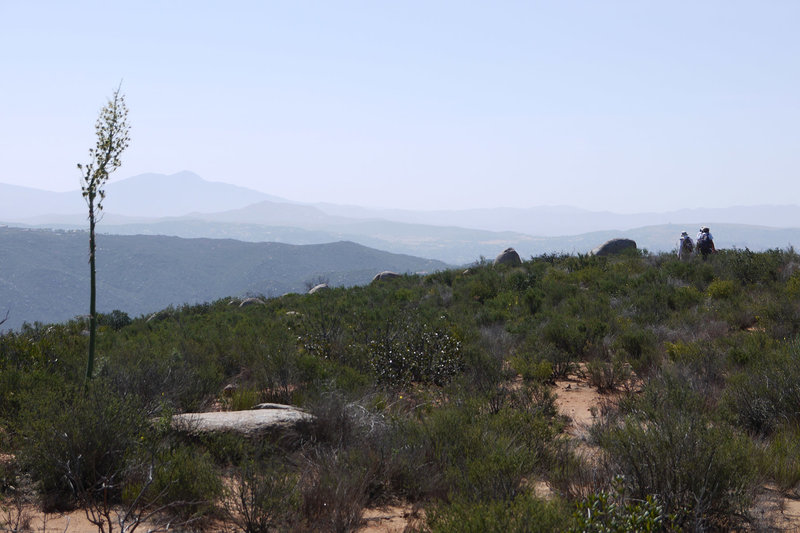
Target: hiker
685, 246
705, 243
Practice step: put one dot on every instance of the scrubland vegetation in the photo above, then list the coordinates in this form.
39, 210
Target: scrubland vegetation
430, 391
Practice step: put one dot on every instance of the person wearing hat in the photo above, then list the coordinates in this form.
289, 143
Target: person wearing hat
705, 242
685, 246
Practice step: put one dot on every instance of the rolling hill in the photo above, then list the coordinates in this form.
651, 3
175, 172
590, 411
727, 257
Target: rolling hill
44, 274
185, 205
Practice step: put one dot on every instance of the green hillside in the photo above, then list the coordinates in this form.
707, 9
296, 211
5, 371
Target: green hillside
436, 393
44, 275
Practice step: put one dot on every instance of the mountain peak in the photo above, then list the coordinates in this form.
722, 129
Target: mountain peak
164, 195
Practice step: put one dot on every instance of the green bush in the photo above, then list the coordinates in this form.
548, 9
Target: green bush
683, 298
76, 446
503, 307
636, 342
567, 334
263, 496
483, 288
420, 354
116, 319
335, 488
608, 376
185, 480
485, 456
721, 289
752, 267
665, 444
611, 512
523, 514
793, 285
746, 348
562, 362
780, 459
532, 370
766, 395
243, 399
322, 325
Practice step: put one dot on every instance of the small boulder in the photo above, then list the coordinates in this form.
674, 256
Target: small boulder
252, 301
159, 316
319, 288
509, 256
614, 246
386, 274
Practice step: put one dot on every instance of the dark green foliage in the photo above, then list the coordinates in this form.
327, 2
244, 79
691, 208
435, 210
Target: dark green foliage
524, 514
437, 391
77, 446
766, 395
485, 456
666, 444
780, 459
418, 354
638, 346
263, 496
335, 489
751, 267
184, 478
322, 325
609, 512
608, 376
116, 319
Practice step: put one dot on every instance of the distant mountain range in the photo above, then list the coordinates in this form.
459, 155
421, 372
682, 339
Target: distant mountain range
142, 196
553, 221
44, 275
185, 205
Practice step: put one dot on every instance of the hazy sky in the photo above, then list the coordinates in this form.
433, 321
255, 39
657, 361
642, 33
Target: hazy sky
624, 106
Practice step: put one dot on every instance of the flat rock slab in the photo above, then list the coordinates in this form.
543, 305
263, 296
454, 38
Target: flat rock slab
242, 422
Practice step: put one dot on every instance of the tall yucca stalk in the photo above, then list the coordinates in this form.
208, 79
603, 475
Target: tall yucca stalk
112, 139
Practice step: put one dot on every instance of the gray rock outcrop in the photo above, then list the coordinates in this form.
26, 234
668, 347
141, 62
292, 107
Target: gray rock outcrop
159, 316
614, 246
252, 301
509, 256
318, 288
265, 419
386, 274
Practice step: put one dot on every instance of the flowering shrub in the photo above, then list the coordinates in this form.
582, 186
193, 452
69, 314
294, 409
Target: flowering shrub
420, 354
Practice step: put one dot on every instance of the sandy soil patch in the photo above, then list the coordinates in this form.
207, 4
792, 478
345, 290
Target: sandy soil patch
389, 519
580, 402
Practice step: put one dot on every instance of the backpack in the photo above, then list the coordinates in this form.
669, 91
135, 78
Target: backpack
704, 244
686, 245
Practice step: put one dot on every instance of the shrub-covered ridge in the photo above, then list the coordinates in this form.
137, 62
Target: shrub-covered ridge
433, 391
